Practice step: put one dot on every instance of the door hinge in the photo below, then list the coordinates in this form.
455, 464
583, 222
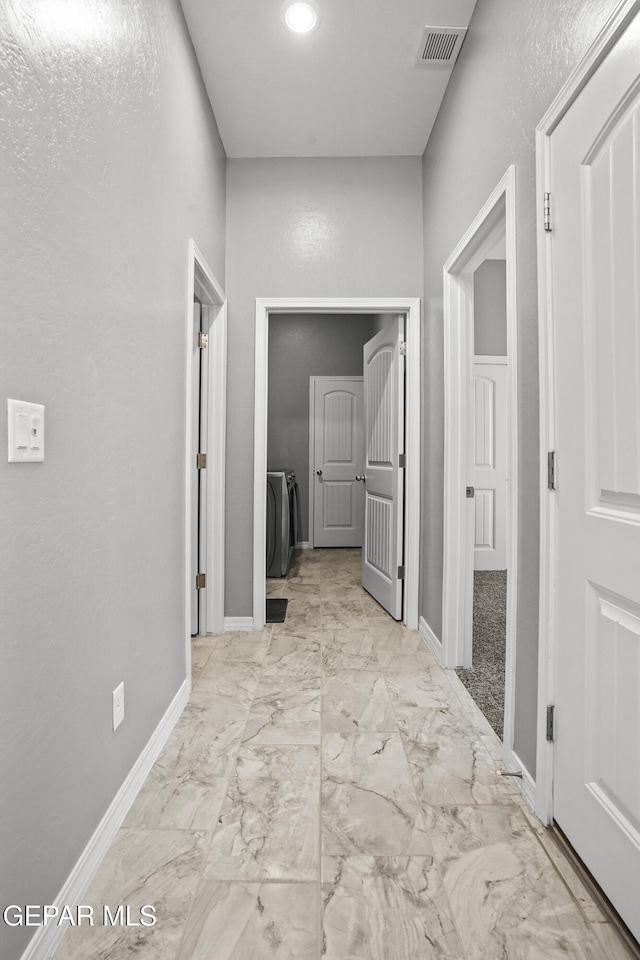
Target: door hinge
203, 340
551, 470
201, 461
401, 573
403, 348
470, 493
402, 460
550, 722
201, 581
547, 212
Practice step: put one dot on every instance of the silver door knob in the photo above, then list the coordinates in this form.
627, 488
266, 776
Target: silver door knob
319, 473
362, 477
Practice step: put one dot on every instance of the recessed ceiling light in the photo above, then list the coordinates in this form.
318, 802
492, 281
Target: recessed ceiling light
300, 17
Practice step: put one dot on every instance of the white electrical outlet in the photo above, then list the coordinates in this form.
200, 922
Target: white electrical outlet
118, 705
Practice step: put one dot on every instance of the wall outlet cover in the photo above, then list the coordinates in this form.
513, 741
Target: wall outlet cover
25, 423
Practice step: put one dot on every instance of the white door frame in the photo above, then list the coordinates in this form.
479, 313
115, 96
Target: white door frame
408, 306
497, 219
312, 428
202, 283
547, 638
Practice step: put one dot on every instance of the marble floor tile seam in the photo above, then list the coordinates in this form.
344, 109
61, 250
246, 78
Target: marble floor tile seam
436, 782
458, 706
194, 899
227, 780
406, 741
265, 881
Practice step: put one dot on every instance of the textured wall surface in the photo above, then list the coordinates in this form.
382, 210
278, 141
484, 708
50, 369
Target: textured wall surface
516, 57
303, 346
490, 308
110, 161
304, 228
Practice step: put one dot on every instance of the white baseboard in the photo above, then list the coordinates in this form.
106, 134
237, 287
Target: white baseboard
303, 545
430, 639
527, 784
235, 624
46, 939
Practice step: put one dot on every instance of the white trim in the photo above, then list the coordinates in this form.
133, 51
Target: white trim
526, 784
408, 306
201, 282
312, 498
303, 545
47, 938
236, 624
497, 218
216, 447
601, 46
260, 465
430, 639
312, 425
485, 358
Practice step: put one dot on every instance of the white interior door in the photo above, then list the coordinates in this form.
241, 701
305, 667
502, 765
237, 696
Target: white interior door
337, 445
490, 459
382, 555
595, 251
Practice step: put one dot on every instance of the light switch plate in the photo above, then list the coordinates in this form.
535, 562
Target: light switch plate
26, 431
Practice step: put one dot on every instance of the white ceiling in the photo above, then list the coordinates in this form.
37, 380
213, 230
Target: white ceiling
351, 87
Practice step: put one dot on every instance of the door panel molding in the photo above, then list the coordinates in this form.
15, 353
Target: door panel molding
407, 305
547, 638
490, 452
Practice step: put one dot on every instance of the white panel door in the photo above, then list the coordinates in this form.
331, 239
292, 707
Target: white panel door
384, 436
338, 457
595, 243
490, 456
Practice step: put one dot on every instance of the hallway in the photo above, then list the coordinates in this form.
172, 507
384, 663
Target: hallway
331, 792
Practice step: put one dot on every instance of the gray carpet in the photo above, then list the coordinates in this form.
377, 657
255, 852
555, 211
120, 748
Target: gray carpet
485, 680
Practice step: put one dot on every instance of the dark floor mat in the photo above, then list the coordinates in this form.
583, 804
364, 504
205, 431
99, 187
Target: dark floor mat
276, 610
485, 680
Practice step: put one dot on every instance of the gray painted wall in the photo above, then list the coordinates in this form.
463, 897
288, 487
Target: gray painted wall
115, 162
490, 309
513, 63
305, 228
303, 346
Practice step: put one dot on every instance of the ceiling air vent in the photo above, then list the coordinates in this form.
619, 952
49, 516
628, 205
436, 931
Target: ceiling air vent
441, 45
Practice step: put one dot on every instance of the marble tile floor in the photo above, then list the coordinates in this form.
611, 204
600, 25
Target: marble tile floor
330, 793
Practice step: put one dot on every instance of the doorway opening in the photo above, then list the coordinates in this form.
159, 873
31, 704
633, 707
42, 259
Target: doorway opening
411, 309
485, 680
310, 357
206, 364
323, 421
481, 446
